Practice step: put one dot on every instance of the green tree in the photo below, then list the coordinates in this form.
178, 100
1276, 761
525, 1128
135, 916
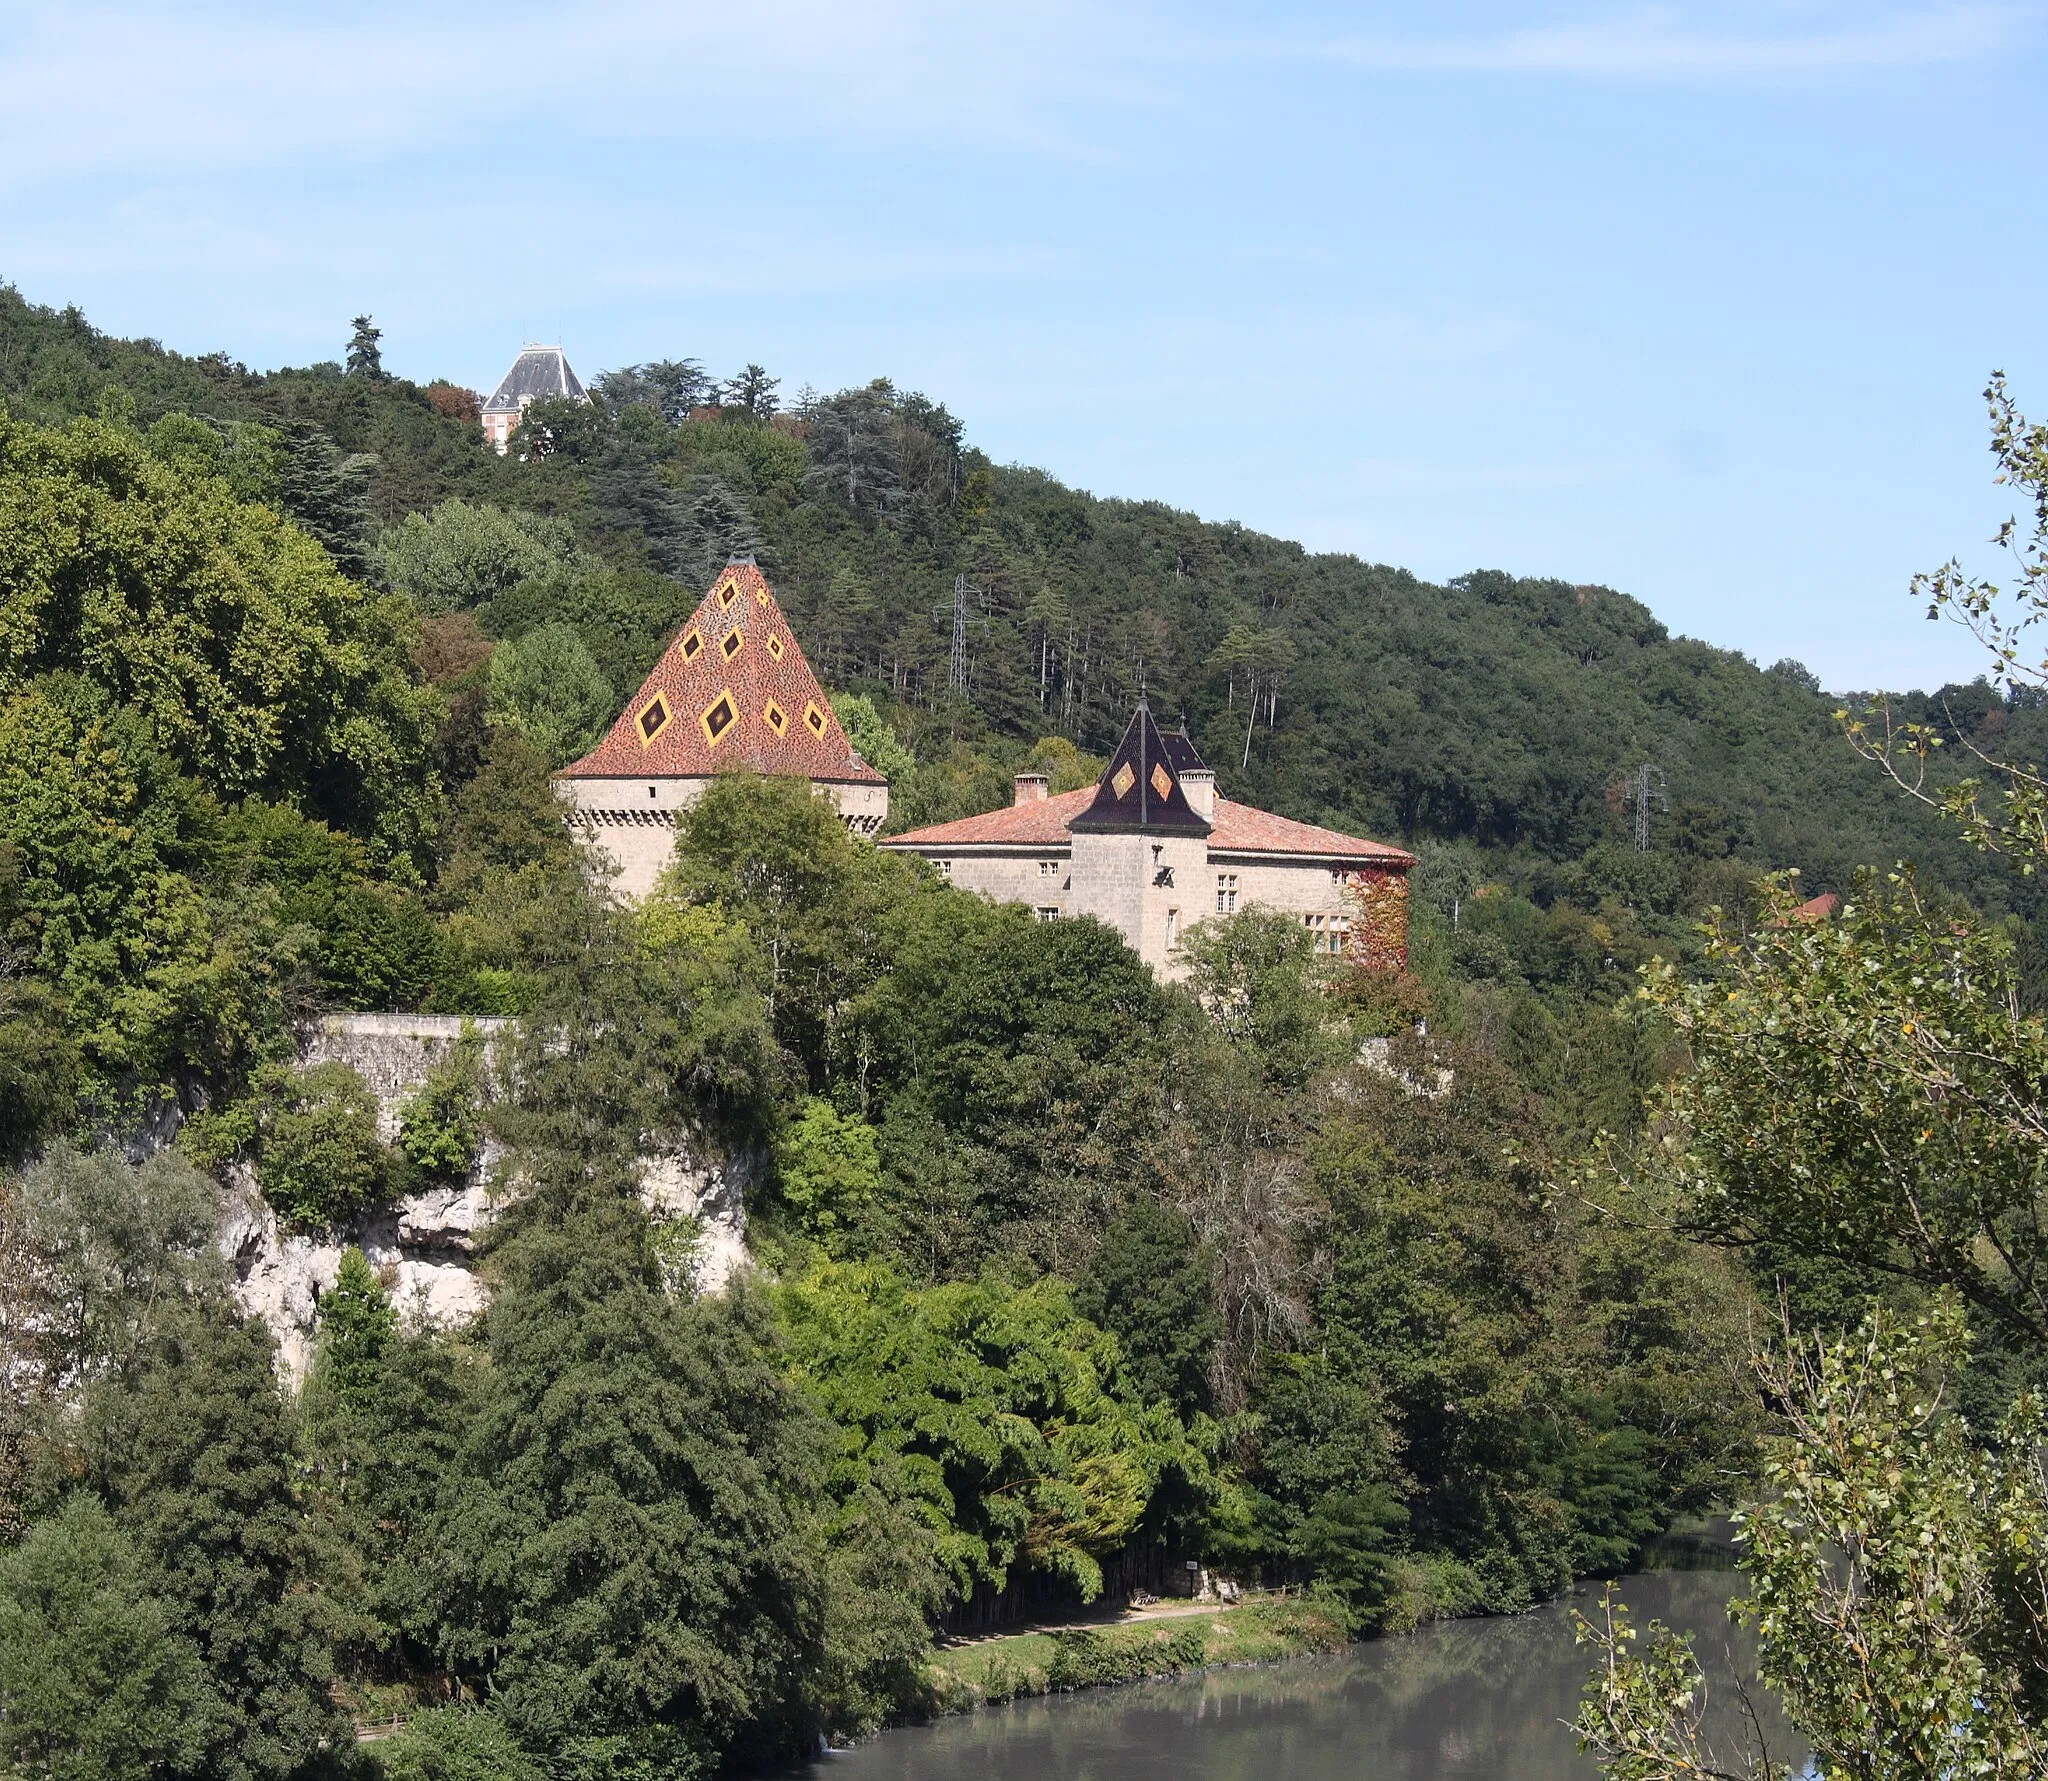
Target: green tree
319, 1159
1865, 1092
191, 1448
828, 1168
96, 1681
357, 1324
456, 1744
549, 689
440, 1122
1895, 1580
872, 738
257, 667
994, 1411
627, 1539
365, 359
465, 555
1260, 980
776, 858
1153, 1285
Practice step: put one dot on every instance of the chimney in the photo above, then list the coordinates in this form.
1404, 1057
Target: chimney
1199, 783
1033, 788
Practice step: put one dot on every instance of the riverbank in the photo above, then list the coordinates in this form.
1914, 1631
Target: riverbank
1168, 1641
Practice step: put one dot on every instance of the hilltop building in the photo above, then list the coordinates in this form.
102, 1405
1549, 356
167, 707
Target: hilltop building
539, 374
1152, 850
732, 690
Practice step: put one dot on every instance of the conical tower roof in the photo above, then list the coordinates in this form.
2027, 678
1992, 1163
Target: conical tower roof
1141, 789
732, 690
539, 374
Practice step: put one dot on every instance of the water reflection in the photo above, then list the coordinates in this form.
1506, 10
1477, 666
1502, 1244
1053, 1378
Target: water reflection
1477, 1700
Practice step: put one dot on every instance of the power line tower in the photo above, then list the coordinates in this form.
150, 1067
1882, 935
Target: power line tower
956, 610
1646, 787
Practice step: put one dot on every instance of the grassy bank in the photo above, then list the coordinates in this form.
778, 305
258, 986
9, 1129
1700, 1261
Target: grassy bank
966, 1676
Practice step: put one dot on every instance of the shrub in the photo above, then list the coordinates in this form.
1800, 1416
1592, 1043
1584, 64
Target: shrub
1091, 1659
455, 1744
829, 1165
438, 1126
320, 1159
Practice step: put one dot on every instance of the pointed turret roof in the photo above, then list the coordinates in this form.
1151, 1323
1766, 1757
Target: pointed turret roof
731, 690
1141, 789
539, 374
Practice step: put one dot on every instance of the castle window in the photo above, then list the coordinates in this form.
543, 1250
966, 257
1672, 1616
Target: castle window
1226, 893
1329, 934
814, 721
774, 646
693, 645
719, 718
1172, 929
775, 717
653, 719
1050, 912
731, 642
945, 868
1048, 868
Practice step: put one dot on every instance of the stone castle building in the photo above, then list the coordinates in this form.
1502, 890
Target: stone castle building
731, 691
539, 374
1151, 849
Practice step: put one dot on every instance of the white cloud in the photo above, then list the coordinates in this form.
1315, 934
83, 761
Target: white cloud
111, 87
1665, 43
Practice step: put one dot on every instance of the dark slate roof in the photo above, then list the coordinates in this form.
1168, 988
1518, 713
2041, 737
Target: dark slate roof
1140, 789
539, 374
1181, 754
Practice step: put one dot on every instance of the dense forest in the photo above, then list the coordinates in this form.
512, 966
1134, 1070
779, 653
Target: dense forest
1065, 1277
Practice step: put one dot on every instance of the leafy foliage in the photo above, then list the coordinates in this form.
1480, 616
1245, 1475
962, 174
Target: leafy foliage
320, 1159
439, 1123
95, 1679
995, 1410
1895, 1578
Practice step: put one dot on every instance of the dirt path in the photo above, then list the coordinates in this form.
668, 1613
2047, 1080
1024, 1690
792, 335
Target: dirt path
1122, 1617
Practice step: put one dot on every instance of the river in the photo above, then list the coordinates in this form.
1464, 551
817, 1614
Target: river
1478, 1700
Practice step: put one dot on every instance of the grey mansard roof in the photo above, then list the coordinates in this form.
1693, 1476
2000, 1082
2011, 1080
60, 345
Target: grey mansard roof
539, 374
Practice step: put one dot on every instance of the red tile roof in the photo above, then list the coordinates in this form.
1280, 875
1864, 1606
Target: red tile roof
1241, 829
1043, 824
732, 690
1238, 829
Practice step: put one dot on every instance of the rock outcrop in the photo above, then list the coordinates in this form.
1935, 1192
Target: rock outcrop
424, 1247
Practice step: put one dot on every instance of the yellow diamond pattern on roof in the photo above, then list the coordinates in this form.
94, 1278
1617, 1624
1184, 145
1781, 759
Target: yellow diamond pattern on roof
1124, 780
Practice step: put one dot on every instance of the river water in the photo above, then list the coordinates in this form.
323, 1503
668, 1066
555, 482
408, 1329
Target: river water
1479, 1700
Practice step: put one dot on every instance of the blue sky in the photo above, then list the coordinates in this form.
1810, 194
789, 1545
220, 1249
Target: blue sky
1693, 301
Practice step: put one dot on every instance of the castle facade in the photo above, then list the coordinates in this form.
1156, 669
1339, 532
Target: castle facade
1152, 850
